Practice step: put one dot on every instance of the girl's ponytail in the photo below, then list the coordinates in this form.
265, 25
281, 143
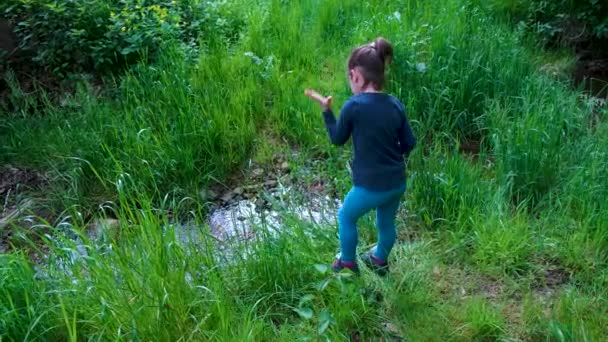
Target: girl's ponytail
384, 49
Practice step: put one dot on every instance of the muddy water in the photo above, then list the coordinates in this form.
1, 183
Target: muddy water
241, 219
230, 227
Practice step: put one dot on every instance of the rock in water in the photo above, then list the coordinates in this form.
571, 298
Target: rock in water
237, 221
207, 195
227, 197
101, 227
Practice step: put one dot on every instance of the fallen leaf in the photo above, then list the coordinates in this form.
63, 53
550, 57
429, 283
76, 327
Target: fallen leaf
270, 183
355, 337
391, 328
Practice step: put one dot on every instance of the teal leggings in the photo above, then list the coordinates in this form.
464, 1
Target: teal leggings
357, 203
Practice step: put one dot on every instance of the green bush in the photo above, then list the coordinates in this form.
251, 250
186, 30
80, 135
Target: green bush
561, 19
101, 35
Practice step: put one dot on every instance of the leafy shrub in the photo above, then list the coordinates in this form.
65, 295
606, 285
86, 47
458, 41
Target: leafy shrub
67, 36
561, 19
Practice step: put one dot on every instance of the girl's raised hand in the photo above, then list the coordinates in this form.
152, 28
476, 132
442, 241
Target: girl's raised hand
325, 102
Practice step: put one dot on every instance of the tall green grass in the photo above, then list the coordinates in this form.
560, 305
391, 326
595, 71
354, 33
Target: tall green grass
491, 231
181, 123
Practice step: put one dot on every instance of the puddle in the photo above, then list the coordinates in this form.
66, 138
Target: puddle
240, 220
266, 203
236, 226
230, 227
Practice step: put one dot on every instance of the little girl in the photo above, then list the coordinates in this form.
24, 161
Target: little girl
381, 137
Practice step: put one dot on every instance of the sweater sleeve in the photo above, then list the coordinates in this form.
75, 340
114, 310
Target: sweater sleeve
407, 140
340, 131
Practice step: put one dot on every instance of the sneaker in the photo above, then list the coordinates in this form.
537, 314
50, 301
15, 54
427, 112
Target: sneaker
378, 266
340, 265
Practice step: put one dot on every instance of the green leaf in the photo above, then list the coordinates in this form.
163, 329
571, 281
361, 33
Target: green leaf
305, 313
325, 315
127, 50
322, 285
325, 320
306, 299
321, 268
348, 274
323, 326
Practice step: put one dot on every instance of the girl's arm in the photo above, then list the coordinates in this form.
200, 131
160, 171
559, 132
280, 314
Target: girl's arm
407, 140
339, 131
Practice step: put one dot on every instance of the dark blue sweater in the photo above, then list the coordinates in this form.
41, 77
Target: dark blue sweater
382, 136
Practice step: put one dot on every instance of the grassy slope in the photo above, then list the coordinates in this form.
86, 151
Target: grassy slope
510, 246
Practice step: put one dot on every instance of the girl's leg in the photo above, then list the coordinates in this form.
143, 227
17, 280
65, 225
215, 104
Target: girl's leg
357, 202
385, 222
